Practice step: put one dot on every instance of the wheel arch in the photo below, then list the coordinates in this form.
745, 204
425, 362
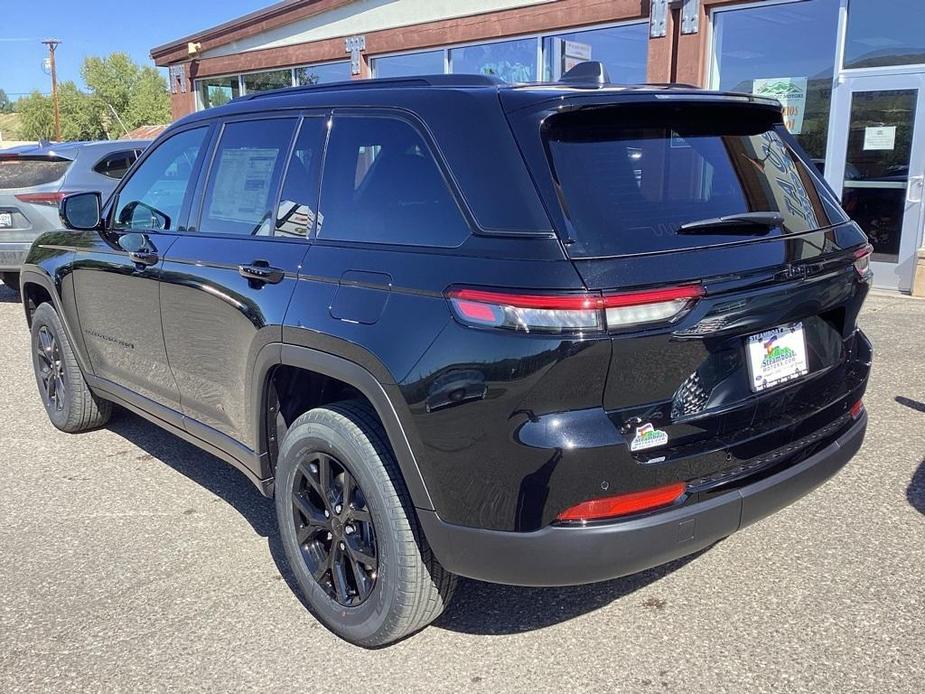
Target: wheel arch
39, 287
349, 373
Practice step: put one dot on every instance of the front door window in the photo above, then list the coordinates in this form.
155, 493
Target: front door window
153, 198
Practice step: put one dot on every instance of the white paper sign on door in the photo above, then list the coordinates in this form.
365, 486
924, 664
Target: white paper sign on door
880, 137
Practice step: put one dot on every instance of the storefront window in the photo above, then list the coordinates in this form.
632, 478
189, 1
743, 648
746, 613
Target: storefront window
785, 51
318, 74
885, 33
427, 63
271, 79
623, 51
511, 61
217, 91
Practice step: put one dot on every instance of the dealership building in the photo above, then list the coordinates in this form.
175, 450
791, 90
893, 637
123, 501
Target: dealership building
849, 73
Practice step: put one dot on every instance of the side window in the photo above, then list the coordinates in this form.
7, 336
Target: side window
153, 196
246, 169
381, 184
298, 202
116, 164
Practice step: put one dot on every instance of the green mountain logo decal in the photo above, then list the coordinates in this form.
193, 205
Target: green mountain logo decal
781, 88
647, 436
778, 354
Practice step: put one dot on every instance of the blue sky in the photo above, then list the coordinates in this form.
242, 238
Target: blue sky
96, 27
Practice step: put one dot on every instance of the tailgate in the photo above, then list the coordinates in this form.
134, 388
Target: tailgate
653, 195
27, 186
691, 378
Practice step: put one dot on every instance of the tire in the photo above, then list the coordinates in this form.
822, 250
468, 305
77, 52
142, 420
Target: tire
70, 404
409, 588
11, 280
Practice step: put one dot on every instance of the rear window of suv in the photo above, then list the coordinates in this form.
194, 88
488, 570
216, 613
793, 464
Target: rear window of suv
25, 172
629, 176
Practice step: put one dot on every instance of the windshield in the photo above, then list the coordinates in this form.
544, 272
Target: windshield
630, 176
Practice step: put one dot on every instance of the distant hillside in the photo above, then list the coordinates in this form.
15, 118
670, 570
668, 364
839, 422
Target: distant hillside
9, 126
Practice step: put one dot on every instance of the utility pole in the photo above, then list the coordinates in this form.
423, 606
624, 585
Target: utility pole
52, 45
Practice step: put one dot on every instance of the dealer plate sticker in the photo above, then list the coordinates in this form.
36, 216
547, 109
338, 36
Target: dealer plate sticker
6, 220
777, 356
647, 436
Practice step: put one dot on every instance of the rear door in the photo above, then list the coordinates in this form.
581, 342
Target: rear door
726, 264
228, 280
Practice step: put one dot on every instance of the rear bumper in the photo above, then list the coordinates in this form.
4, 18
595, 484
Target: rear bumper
13, 254
560, 555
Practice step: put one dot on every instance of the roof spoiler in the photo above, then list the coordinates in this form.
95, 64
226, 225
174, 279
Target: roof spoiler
589, 72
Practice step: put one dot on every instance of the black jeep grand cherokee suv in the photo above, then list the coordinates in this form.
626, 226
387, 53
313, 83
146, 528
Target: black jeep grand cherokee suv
538, 334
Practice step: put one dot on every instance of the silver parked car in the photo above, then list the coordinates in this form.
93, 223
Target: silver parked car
34, 178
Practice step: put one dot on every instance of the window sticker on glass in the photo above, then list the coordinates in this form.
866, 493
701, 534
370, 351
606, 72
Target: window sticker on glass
244, 176
881, 137
791, 92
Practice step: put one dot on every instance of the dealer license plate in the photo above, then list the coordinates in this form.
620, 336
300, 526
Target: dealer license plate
777, 356
6, 220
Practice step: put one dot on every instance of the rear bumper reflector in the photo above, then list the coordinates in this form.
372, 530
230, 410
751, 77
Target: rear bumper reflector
624, 504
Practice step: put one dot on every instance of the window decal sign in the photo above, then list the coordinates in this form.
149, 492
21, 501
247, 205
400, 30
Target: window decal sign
791, 92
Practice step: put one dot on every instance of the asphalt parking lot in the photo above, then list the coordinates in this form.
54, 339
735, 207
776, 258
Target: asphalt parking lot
131, 561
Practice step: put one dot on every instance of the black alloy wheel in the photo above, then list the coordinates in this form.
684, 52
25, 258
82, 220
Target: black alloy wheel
334, 529
51, 369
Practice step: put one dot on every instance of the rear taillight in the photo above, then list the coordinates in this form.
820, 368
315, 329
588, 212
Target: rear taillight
624, 504
856, 409
862, 261
528, 312
656, 305
51, 199
570, 313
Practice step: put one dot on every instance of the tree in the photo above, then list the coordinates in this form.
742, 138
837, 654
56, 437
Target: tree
36, 116
150, 102
6, 106
80, 115
137, 94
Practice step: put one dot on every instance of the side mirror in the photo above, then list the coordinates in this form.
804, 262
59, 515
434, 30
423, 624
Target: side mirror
81, 211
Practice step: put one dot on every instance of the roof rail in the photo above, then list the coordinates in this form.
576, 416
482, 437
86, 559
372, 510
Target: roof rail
459, 80
685, 85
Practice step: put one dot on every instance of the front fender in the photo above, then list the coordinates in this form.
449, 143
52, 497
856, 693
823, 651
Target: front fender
48, 267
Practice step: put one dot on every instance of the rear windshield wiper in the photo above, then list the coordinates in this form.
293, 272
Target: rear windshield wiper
762, 222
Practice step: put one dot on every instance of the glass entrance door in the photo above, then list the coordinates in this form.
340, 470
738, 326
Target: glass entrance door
877, 155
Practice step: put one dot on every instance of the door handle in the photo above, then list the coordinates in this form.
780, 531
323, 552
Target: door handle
259, 273
140, 250
143, 259
915, 183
